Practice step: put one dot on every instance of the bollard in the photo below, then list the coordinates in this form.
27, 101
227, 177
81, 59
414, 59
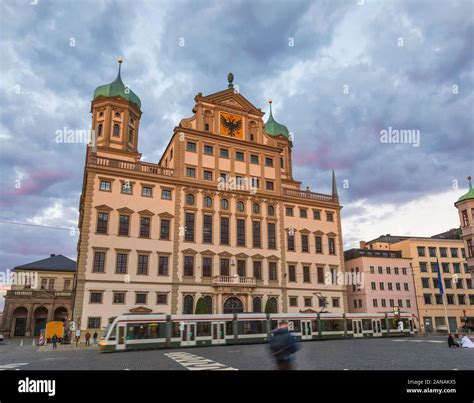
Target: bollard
21, 343
33, 342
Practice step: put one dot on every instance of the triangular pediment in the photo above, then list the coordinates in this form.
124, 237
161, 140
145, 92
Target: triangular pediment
258, 256
125, 210
225, 254
146, 213
104, 207
241, 256
232, 99
208, 252
166, 215
189, 251
140, 309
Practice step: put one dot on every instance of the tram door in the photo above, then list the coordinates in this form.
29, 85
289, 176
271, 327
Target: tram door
306, 330
357, 325
121, 336
377, 327
218, 332
188, 334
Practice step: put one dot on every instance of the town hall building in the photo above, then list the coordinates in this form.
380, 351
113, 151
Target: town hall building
218, 225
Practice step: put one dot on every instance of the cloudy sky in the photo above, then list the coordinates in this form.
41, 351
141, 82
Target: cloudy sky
339, 73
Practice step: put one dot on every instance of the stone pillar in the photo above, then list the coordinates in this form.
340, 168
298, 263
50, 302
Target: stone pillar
219, 303
29, 321
249, 303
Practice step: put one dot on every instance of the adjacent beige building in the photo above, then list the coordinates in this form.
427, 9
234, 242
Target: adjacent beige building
219, 219
424, 252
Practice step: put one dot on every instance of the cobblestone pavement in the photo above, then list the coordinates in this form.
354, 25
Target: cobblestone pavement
371, 354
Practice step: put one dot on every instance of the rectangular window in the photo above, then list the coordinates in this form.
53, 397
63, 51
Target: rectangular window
316, 215
269, 185
443, 252
450, 299
102, 222
207, 229
239, 156
207, 176
127, 187
454, 252
256, 234
257, 269
291, 273
384, 303
105, 186
124, 225
161, 299
121, 263
423, 267
67, 284
225, 267
253, 159
166, 194
293, 301
147, 191
140, 298
241, 269
319, 244
208, 150
382, 286
207, 266
165, 229
119, 298
163, 262
306, 274
189, 231
291, 241
390, 287
332, 246
374, 303
303, 213
432, 251
272, 271
456, 268
224, 230
308, 301
335, 303
93, 323
189, 266
190, 146
191, 172
240, 232
142, 264
421, 250
461, 299
145, 227
320, 275
329, 217
268, 161
289, 211
224, 153
271, 232
427, 299
373, 285
304, 243
99, 262
96, 298
464, 218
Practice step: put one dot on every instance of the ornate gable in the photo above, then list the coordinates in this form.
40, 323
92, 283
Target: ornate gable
231, 99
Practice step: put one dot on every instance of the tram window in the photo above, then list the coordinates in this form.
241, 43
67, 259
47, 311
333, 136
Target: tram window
176, 331
314, 326
349, 325
146, 331
203, 329
251, 327
274, 324
296, 325
384, 324
366, 324
335, 325
229, 328
113, 333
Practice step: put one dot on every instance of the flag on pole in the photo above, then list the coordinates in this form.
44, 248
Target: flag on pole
440, 281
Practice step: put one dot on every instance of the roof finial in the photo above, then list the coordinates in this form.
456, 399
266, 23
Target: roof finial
230, 79
120, 60
270, 102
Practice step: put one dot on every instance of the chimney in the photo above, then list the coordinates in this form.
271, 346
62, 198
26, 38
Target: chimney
362, 244
52, 255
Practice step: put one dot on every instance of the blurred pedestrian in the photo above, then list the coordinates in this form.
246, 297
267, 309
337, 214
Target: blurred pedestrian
88, 337
54, 340
283, 346
94, 337
452, 342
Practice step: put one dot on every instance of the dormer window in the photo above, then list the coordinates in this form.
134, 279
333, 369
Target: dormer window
116, 130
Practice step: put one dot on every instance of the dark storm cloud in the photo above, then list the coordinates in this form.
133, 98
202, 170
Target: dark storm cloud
336, 43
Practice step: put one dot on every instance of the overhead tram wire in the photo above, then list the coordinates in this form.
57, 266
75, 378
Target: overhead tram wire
34, 225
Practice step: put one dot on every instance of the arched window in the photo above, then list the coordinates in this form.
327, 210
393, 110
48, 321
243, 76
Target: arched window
224, 204
256, 208
130, 136
233, 305
116, 130
240, 206
190, 199
271, 306
208, 303
257, 304
99, 130
207, 202
188, 304
270, 210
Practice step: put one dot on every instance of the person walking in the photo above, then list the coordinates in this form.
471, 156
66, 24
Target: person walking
55, 341
88, 337
94, 338
283, 346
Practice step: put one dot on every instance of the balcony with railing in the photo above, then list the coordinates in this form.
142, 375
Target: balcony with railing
237, 281
139, 166
306, 194
35, 293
